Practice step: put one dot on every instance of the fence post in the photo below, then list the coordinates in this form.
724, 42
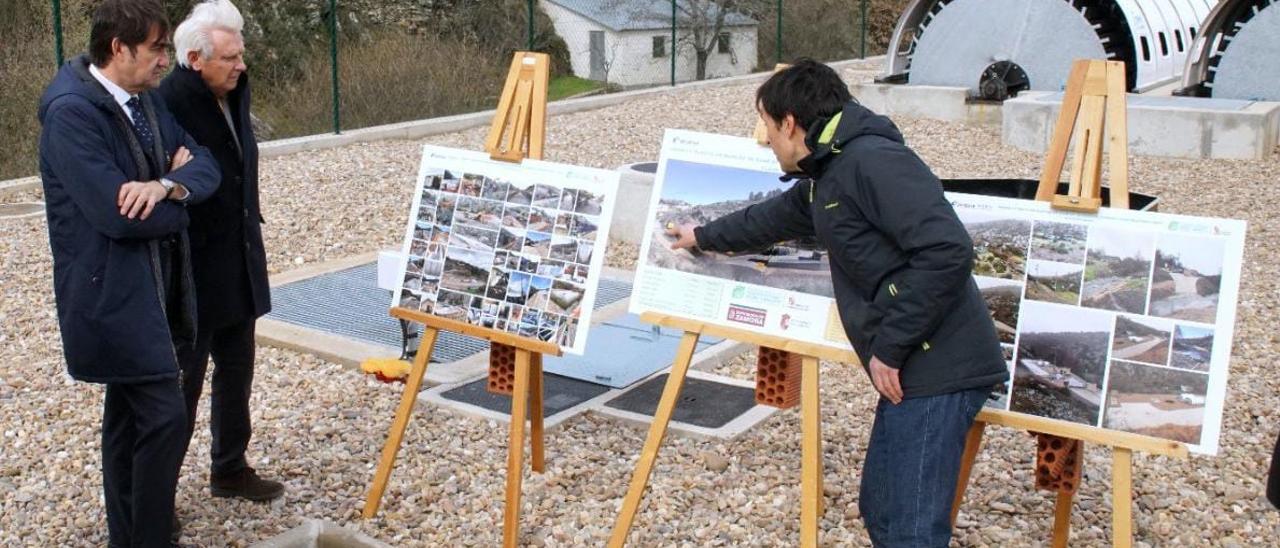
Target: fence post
778, 43
333, 54
864, 29
674, 50
57, 31
530, 4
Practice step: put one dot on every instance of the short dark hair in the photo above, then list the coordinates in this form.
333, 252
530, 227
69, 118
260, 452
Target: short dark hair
807, 90
129, 21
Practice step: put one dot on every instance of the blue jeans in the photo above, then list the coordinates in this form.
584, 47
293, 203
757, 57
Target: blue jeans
912, 463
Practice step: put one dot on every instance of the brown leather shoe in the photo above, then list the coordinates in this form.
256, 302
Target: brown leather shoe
245, 484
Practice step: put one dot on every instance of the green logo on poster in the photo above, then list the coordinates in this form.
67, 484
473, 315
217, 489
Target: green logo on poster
739, 292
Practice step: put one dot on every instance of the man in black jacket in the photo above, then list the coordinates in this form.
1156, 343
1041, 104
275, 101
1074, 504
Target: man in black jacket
209, 95
900, 267
117, 171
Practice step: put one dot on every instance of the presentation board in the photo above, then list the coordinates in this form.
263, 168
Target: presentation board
1121, 320
514, 247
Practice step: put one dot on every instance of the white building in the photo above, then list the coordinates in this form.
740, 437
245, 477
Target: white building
628, 42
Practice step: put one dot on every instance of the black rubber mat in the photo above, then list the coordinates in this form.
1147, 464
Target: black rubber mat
704, 403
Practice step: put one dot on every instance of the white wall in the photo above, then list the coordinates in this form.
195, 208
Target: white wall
631, 52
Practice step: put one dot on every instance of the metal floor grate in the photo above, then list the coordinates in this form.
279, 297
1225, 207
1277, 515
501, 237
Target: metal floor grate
350, 303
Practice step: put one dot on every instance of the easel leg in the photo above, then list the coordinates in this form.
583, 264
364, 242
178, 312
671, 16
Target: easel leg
972, 443
535, 416
412, 385
811, 454
1122, 497
515, 449
1062, 519
666, 406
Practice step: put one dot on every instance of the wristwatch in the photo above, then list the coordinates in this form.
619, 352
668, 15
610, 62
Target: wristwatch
168, 186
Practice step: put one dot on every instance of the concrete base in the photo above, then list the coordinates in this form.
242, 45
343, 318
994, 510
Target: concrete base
1179, 127
635, 189
315, 533
936, 102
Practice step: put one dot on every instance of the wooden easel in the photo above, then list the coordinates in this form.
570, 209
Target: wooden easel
1096, 94
521, 115
811, 424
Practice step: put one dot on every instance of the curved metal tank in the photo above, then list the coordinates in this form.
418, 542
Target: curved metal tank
1236, 54
997, 48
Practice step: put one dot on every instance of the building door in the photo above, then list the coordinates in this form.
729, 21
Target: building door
597, 55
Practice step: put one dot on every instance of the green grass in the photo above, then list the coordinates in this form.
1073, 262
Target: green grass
568, 86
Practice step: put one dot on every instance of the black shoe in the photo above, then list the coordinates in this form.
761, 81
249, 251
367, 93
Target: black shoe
245, 484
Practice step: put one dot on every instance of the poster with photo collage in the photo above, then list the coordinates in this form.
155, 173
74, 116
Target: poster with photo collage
514, 247
1121, 320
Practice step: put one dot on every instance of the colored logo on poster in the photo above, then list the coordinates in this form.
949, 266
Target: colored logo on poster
747, 315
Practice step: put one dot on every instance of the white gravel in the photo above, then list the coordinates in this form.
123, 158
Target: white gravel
319, 427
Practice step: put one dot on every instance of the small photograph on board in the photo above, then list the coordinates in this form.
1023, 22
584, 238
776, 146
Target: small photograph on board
435, 252
440, 234
1054, 282
449, 183
431, 284
584, 250
428, 202
1059, 242
999, 244
518, 287
410, 300
565, 298
511, 239
528, 326
452, 305
473, 237
542, 220
422, 229
1139, 339
537, 244
1188, 274
499, 280
431, 180
563, 248
444, 211
495, 189
567, 199
419, 247
466, 270
1004, 298
1062, 357
549, 325
550, 268
1118, 269
478, 211
520, 194
1192, 347
585, 227
589, 203
528, 262
564, 223
568, 333
413, 267
471, 184
428, 303
515, 217
433, 269
546, 196
539, 292
1156, 401
696, 193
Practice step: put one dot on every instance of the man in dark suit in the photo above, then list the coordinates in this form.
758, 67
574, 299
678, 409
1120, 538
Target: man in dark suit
209, 95
118, 172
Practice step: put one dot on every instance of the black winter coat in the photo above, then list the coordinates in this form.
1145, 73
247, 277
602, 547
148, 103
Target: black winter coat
227, 254
900, 258
123, 288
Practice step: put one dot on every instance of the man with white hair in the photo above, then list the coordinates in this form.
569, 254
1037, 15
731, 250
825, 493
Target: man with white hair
209, 95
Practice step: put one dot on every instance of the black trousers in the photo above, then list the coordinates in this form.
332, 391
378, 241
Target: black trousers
232, 349
1273, 477
142, 447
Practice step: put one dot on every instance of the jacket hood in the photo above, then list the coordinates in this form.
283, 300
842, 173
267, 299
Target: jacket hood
828, 136
74, 79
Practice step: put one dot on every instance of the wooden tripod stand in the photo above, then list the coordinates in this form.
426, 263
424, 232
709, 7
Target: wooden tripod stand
1096, 95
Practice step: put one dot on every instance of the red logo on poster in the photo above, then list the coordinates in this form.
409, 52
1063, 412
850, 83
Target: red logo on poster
747, 315
785, 322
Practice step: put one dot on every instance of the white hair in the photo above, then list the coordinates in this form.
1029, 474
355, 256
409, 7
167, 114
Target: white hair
193, 33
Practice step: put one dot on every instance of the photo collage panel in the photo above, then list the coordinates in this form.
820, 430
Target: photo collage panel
1101, 325
507, 256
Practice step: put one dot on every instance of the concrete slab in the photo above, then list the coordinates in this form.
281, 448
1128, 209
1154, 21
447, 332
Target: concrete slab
315, 533
936, 102
1179, 127
753, 415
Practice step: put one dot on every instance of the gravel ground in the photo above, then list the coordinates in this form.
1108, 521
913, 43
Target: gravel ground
319, 427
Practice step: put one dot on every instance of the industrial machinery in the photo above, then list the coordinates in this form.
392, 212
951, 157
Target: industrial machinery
1237, 54
997, 48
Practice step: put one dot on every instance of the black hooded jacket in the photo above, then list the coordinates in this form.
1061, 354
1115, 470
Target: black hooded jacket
901, 260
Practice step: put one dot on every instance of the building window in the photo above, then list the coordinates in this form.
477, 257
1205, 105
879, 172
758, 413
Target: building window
722, 43
659, 46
